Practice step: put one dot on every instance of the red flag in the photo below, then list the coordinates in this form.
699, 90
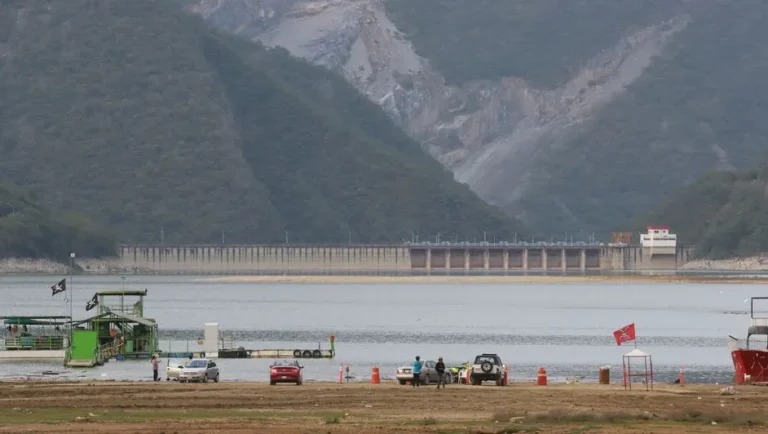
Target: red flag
625, 334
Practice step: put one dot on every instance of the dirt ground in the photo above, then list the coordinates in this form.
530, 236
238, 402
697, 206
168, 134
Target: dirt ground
145, 407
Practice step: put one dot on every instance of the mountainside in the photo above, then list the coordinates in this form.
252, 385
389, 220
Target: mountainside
574, 115
147, 119
725, 213
29, 230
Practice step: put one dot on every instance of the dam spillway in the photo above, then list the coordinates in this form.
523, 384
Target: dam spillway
396, 259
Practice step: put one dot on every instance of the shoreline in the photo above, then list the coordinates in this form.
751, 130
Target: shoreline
519, 279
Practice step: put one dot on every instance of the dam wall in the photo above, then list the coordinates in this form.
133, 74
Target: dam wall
396, 259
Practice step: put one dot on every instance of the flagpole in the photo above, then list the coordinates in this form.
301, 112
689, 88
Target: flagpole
71, 298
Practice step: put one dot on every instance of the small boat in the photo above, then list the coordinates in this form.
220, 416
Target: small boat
34, 337
750, 356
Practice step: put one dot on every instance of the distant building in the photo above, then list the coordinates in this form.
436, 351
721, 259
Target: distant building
658, 241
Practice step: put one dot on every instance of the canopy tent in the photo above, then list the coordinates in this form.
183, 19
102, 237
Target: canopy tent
637, 365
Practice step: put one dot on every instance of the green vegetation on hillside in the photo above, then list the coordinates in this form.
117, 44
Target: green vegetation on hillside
153, 123
543, 41
725, 214
31, 231
699, 106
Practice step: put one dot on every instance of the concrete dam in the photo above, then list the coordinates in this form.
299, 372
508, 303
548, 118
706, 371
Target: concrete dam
414, 259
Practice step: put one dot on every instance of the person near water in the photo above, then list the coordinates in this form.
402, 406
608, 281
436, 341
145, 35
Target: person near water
440, 368
155, 367
416, 371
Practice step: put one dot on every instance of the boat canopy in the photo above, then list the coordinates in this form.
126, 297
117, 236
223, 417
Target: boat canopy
119, 292
118, 317
35, 320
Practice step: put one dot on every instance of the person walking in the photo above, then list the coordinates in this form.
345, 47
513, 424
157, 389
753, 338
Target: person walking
440, 368
155, 367
416, 372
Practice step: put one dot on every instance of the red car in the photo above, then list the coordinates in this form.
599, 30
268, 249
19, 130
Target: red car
284, 371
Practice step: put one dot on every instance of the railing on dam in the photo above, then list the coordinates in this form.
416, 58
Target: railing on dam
396, 259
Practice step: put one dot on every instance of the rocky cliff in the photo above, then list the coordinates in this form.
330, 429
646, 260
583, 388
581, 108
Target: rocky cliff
510, 137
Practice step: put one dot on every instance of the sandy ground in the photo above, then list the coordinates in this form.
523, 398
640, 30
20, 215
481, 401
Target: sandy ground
487, 279
27, 407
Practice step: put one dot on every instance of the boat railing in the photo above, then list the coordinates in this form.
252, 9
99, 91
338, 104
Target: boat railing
741, 344
760, 322
110, 350
31, 343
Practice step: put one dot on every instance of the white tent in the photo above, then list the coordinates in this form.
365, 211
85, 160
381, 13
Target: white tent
637, 365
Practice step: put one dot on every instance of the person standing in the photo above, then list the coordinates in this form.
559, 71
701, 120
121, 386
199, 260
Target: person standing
416, 372
155, 367
440, 368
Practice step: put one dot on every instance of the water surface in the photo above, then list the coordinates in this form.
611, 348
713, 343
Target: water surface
565, 327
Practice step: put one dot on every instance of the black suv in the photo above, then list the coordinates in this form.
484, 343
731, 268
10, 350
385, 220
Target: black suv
487, 367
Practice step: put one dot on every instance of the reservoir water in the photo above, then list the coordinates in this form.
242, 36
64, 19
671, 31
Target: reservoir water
565, 327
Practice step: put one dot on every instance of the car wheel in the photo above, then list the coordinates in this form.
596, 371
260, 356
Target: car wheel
205, 378
272, 383
306, 354
317, 354
402, 382
298, 383
486, 367
216, 380
297, 354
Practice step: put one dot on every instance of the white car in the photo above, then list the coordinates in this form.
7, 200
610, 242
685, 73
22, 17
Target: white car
173, 370
199, 370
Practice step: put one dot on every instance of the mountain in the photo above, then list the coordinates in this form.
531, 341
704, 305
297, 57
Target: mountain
30, 230
147, 119
725, 213
574, 115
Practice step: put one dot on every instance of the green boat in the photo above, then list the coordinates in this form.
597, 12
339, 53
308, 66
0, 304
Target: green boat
118, 330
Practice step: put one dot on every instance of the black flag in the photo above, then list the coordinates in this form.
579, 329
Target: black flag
92, 303
59, 287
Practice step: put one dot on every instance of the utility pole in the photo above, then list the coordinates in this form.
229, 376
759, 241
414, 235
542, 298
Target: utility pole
438, 238
286, 237
350, 238
485, 240
162, 237
222, 238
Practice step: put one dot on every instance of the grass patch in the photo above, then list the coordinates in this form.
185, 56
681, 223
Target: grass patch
332, 420
560, 416
504, 416
720, 417
56, 415
520, 429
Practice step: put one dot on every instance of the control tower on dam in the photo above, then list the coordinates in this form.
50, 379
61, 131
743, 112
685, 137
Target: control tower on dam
444, 258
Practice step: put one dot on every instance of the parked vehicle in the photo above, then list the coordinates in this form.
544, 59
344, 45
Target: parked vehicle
284, 371
428, 375
487, 367
199, 370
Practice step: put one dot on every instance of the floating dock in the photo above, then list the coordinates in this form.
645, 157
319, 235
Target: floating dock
213, 349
